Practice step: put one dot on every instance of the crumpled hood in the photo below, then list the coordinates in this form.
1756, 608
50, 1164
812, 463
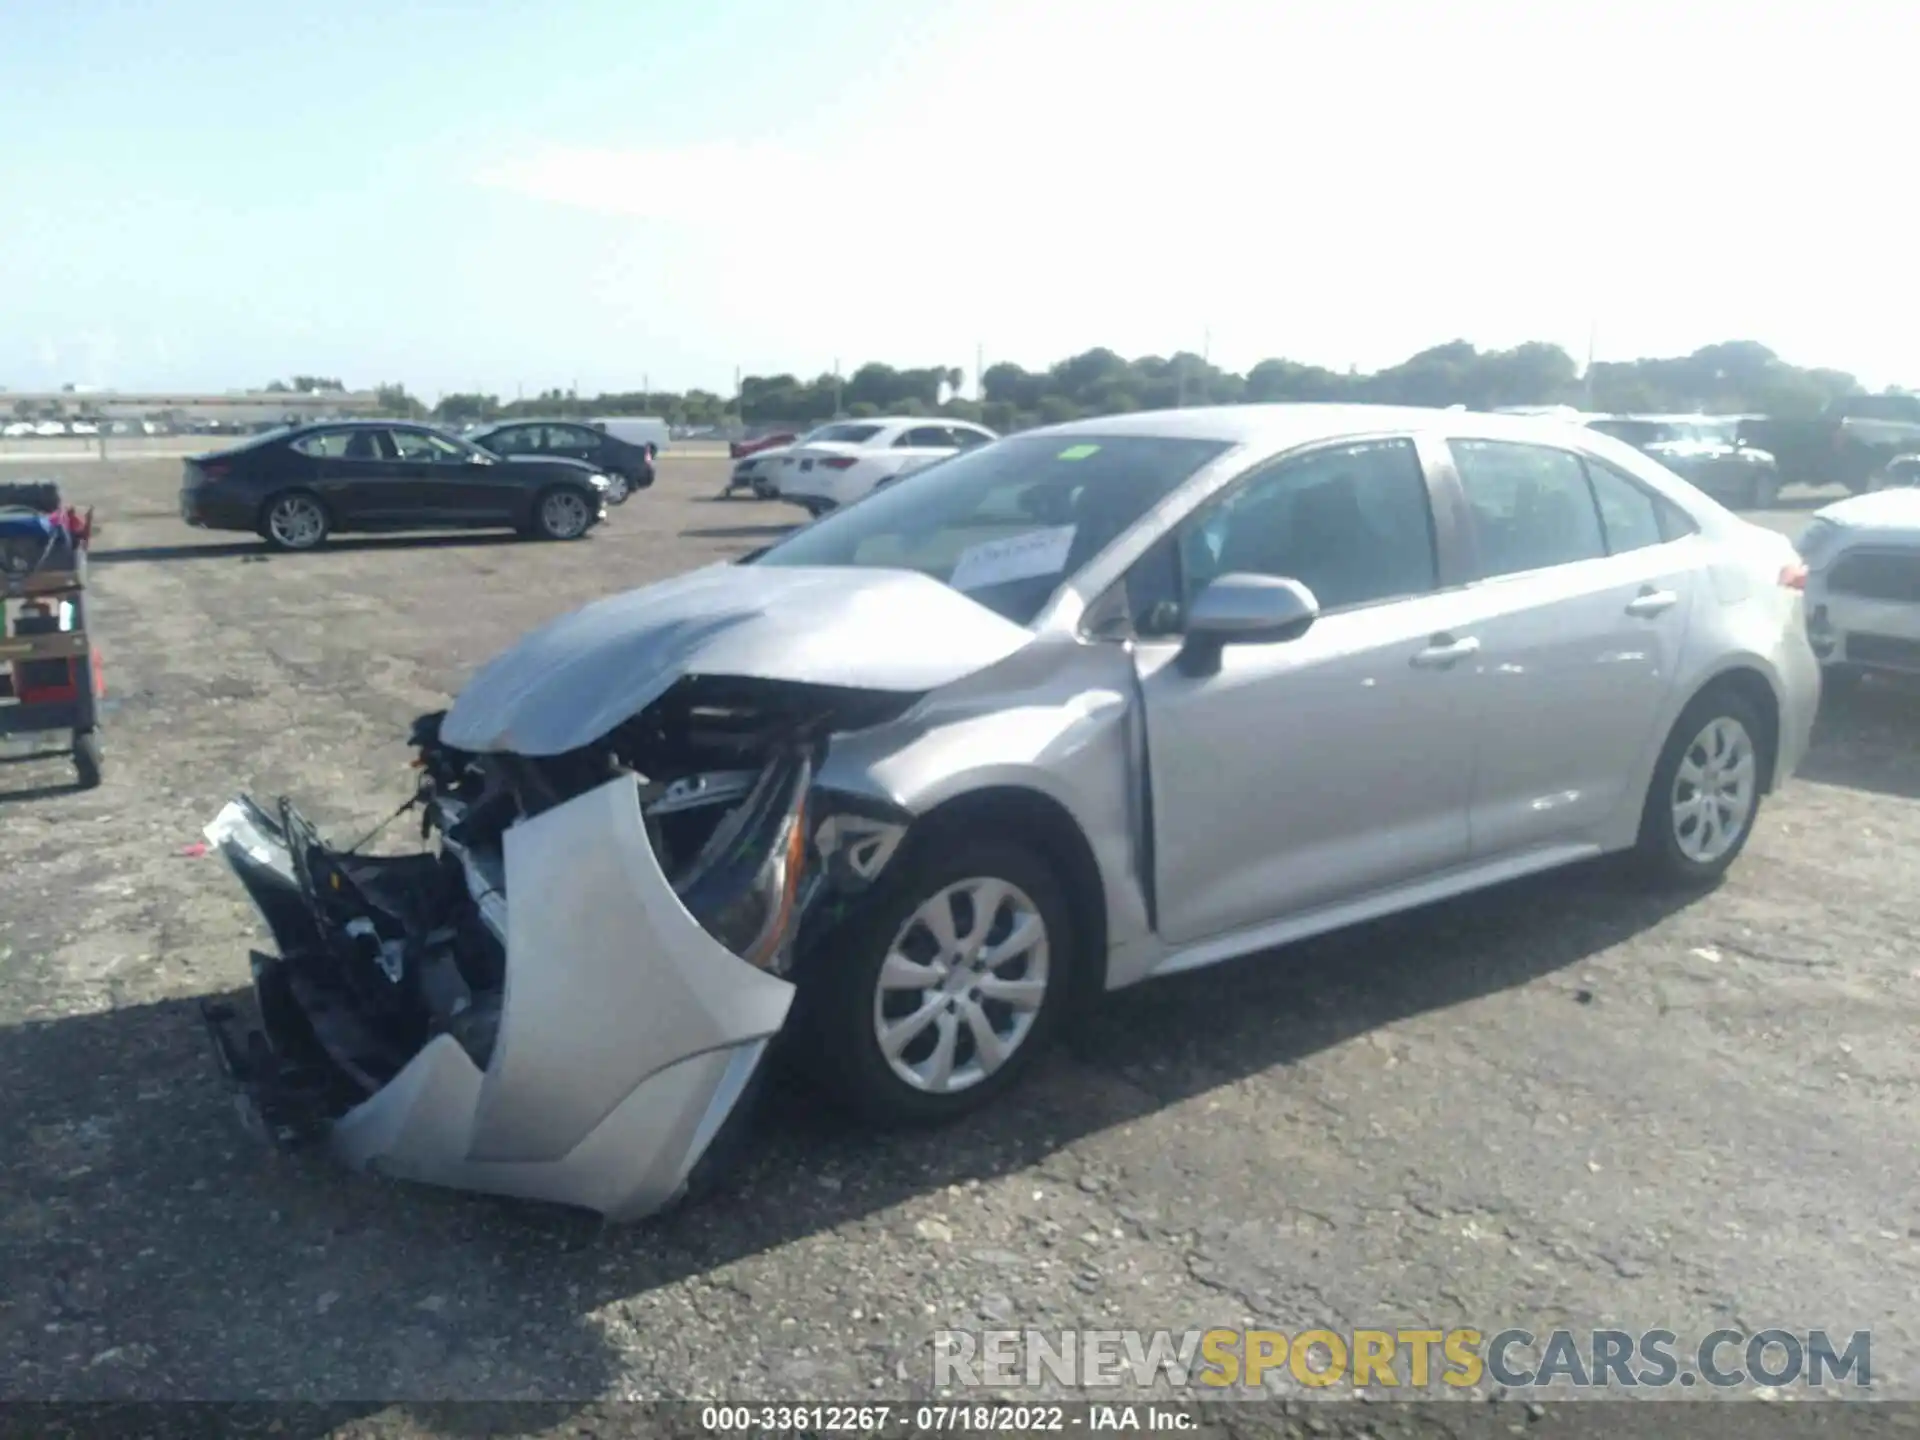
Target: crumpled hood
572, 681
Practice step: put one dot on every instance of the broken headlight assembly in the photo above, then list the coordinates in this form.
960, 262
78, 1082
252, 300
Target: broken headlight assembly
750, 879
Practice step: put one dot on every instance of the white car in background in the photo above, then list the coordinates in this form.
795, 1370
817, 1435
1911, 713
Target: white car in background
839, 463
1863, 585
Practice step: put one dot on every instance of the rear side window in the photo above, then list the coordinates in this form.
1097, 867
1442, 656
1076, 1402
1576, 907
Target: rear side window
516, 440
926, 437
843, 434
1531, 506
1629, 515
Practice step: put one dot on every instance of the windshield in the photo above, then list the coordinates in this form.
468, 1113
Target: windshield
1005, 523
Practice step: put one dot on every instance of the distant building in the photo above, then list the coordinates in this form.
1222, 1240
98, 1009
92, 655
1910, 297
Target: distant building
235, 407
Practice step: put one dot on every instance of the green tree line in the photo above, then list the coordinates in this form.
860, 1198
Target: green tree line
1735, 377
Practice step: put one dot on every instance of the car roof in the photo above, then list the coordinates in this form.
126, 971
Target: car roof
1286, 426
901, 420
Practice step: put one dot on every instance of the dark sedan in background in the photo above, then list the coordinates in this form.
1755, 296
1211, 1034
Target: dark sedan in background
627, 465
295, 487
1704, 449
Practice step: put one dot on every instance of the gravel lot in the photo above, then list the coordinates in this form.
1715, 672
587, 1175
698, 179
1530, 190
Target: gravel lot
1562, 1103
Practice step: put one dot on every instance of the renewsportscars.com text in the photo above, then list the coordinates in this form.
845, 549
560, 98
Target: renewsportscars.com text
1406, 1359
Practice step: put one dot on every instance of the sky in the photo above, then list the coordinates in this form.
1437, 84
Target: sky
611, 194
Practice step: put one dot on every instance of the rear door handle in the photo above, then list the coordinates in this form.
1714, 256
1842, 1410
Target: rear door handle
1649, 603
1443, 651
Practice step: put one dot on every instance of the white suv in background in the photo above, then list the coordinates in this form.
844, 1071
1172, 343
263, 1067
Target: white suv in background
837, 464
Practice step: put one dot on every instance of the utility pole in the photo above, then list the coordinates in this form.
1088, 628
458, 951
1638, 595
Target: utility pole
836, 387
1593, 332
979, 372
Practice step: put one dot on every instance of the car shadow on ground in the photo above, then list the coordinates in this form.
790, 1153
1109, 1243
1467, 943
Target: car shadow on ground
1867, 737
259, 549
124, 1165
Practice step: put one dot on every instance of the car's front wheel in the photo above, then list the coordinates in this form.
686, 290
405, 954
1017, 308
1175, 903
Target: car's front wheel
562, 513
1705, 796
935, 997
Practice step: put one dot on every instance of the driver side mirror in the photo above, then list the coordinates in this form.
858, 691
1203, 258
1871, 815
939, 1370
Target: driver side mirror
1244, 609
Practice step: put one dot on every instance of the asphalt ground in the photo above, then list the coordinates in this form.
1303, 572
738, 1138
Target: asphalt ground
1561, 1103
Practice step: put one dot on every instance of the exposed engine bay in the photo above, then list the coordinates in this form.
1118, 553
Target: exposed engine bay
478, 1012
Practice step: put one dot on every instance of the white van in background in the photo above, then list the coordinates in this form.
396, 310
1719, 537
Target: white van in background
634, 429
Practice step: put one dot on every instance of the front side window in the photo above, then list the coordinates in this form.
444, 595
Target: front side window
1530, 504
1352, 523
967, 438
327, 444
1005, 524
419, 445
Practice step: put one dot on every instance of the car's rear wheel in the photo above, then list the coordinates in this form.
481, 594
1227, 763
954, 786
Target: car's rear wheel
562, 513
940, 993
295, 520
1763, 491
618, 488
1705, 795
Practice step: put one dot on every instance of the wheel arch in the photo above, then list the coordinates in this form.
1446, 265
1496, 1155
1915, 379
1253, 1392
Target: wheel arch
1755, 686
1044, 823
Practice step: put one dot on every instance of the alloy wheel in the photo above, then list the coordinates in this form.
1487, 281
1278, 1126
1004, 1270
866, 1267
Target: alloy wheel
563, 515
962, 985
297, 522
1714, 790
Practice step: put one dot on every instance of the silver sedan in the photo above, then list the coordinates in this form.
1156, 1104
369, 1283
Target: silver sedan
1083, 707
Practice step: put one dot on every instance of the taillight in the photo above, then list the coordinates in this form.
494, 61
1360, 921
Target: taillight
841, 462
213, 473
1794, 576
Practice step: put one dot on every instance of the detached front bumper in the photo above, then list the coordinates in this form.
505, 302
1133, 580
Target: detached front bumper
621, 1037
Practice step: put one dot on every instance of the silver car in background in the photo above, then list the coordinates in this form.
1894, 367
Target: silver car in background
1085, 706
1863, 584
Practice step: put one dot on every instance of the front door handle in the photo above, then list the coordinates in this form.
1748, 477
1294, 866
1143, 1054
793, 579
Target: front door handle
1651, 602
1443, 651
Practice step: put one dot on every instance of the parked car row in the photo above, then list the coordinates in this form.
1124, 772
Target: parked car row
295, 487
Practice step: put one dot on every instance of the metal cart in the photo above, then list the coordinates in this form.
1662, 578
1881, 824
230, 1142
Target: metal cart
49, 671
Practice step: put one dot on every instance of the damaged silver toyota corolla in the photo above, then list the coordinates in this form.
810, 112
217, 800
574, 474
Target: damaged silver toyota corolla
1070, 710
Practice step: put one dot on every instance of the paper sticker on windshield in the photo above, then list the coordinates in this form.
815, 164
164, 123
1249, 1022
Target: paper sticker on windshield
1018, 557
1077, 452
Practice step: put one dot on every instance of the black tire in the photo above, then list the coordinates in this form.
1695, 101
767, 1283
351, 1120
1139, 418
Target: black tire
279, 528
87, 758
1659, 850
543, 523
1763, 492
835, 1036
619, 487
